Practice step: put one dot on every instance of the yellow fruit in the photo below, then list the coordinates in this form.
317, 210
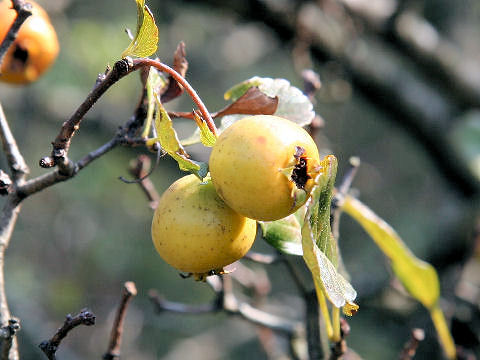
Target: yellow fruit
35, 48
263, 166
194, 231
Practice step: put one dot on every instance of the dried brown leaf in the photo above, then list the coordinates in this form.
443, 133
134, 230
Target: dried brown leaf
253, 102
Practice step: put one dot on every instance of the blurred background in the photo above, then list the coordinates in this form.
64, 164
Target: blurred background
400, 89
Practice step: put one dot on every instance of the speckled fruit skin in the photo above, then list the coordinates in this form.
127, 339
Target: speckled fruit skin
194, 231
246, 166
35, 48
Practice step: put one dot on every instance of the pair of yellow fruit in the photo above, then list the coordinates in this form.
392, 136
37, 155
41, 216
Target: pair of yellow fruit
261, 168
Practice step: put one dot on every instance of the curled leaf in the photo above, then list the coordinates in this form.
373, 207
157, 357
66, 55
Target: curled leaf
168, 139
317, 236
292, 103
285, 234
417, 276
252, 102
180, 65
145, 41
206, 136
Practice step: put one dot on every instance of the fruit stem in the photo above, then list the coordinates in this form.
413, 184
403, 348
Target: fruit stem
183, 82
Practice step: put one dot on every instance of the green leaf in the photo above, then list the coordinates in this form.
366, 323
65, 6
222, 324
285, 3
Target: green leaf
285, 234
168, 139
235, 92
418, 277
145, 41
292, 103
155, 81
207, 138
316, 233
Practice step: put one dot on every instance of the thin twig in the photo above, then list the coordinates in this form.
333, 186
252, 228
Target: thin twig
24, 10
17, 164
161, 305
49, 347
410, 348
140, 168
128, 292
61, 144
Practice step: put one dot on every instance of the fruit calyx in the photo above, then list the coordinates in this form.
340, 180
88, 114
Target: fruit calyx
203, 276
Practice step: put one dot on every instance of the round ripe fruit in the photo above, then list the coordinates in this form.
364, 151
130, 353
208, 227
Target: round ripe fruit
263, 166
35, 48
194, 231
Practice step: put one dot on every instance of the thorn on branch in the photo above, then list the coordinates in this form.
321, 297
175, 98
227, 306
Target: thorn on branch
49, 347
5, 183
128, 292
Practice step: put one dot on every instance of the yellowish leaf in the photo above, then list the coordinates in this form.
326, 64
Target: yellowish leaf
145, 41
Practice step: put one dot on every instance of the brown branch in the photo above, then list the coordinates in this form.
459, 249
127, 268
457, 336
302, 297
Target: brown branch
61, 144
24, 10
8, 219
49, 347
410, 348
15, 159
5, 183
128, 292
7, 333
339, 349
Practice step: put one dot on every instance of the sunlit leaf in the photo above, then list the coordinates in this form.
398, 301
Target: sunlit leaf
155, 81
207, 138
418, 277
285, 234
316, 231
168, 139
145, 41
292, 103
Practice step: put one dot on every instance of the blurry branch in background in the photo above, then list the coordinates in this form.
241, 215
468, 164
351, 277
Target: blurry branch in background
50, 347
24, 10
410, 348
128, 292
8, 219
420, 38
225, 300
382, 71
